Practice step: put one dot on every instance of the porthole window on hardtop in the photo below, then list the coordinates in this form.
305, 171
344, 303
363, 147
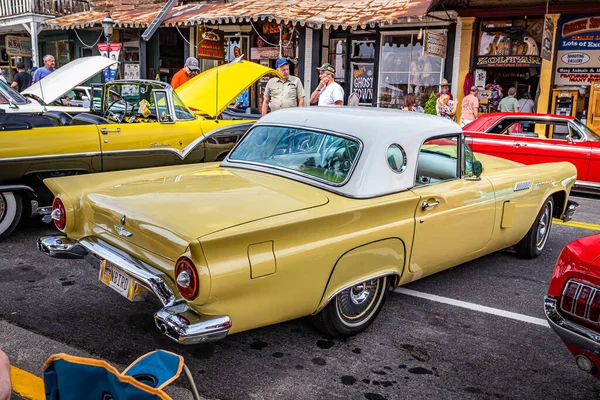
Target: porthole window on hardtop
323, 156
396, 158
438, 161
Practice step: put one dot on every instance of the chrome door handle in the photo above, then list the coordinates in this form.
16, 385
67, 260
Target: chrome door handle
426, 206
106, 130
521, 144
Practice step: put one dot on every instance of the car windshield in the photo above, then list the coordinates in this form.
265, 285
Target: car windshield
322, 156
181, 111
12, 94
590, 134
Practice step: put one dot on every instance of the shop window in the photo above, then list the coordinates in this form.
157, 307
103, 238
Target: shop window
363, 49
236, 46
61, 50
337, 58
405, 69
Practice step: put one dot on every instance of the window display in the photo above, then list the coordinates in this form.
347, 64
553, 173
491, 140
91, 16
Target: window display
405, 69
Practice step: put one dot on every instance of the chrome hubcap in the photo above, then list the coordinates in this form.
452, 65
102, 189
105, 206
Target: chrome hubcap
359, 293
543, 226
355, 302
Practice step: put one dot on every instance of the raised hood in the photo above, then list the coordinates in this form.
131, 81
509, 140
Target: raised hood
67, 77
167, 210
213, 90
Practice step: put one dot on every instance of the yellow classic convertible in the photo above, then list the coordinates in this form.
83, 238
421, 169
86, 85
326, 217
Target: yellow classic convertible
130, 124
316, 211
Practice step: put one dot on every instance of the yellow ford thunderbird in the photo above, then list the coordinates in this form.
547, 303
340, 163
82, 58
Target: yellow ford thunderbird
130, 124
316, 211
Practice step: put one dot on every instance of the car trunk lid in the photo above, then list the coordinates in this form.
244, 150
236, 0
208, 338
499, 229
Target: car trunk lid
164, 214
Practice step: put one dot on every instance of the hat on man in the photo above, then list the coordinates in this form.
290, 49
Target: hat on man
32, 69
281, 61
192, 64
20, 65
327, 67
474, 89
445, 82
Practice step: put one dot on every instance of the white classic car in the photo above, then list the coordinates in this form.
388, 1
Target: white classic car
316, 211
49, 93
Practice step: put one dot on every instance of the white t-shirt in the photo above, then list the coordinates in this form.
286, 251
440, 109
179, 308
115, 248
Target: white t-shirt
330, 94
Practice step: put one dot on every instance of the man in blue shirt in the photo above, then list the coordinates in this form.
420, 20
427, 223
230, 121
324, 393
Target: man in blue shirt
46, 70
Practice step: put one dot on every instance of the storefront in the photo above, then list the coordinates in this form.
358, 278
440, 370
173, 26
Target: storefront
384, 67
508, 54
577, 77
14, 49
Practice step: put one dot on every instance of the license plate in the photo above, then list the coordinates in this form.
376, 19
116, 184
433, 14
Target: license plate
117, 280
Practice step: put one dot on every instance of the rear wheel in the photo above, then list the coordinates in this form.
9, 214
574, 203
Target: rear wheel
11, 209
353, 309
534, 242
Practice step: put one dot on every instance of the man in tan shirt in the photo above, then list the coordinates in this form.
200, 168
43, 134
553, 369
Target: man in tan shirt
283, 93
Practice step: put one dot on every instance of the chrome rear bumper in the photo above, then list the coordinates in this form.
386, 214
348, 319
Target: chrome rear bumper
176, 319
578, 335
572, 207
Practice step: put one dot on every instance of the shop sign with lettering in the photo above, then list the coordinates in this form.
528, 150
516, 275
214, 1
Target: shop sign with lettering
272, 53
509, 61
18, 46
435, 45
362, 82
211, 44
578, 55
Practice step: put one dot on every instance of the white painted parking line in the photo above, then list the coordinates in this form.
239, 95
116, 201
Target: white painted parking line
474, 307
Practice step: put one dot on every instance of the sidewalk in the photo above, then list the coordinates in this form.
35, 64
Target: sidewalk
28, 351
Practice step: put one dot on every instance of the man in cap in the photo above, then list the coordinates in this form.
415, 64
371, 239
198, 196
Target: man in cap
328, 92
189, 70
21, 80
444, 89
283, 93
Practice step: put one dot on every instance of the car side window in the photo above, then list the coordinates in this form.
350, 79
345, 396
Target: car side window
501, 127
438, 161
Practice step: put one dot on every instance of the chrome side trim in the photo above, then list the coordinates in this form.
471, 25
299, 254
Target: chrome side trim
587, 184
12, 188
182, 154
578, 335
185, 326
54, 156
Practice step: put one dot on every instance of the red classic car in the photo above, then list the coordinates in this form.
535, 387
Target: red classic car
539, 138
572, 305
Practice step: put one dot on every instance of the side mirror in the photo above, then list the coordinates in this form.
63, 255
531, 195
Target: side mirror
84, 98
570, 140
477, 168
12, 104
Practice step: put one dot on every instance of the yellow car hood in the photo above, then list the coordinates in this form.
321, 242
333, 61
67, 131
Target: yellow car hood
165, 211
213, 90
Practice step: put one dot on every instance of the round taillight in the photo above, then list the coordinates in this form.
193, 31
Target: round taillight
59, 215
186, 278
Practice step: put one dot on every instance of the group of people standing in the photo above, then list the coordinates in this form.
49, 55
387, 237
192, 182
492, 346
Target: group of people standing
25, 78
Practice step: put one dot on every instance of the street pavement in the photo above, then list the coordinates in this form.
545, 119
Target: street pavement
416, 348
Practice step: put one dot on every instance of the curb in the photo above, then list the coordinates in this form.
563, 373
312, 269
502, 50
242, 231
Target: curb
26, 384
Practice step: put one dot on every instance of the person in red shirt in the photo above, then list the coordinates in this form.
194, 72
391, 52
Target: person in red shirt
189, 70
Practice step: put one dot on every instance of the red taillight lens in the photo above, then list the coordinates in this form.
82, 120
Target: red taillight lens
595, 308
186, 278
569, 296
59, 215
582, 301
